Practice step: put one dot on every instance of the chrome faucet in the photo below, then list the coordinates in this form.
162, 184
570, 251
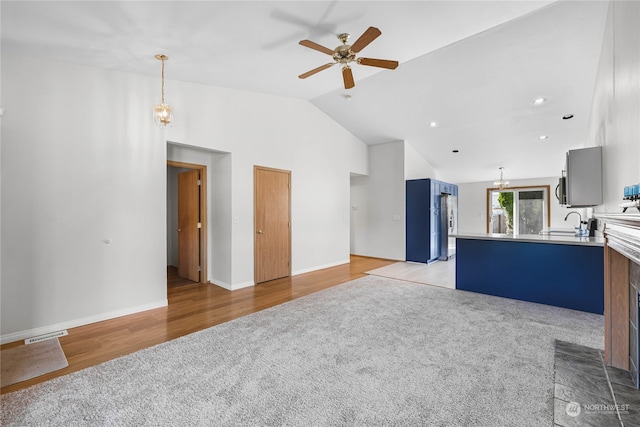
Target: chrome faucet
581, 231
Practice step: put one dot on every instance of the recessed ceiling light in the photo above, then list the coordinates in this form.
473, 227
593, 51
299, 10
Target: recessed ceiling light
539, 101
542, 137
567, 117
433, 124
347, 97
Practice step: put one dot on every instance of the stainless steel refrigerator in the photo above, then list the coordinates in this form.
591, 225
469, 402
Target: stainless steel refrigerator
448, 226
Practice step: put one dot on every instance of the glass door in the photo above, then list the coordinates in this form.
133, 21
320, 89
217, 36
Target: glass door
502, 212
518, 210
530, 210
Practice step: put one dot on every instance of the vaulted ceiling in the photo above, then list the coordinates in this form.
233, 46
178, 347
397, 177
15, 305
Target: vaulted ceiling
473, 67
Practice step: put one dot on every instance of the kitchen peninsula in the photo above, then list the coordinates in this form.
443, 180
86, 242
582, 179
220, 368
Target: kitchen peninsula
563, 271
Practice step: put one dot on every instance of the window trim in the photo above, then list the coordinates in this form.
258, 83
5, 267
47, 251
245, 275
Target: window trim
526, 187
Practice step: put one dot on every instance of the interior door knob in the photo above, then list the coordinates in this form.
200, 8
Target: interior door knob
260, 232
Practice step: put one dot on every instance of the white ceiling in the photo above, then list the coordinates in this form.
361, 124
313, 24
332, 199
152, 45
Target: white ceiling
472, 66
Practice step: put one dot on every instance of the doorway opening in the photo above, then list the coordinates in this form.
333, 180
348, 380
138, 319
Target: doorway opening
518, 210
186, 222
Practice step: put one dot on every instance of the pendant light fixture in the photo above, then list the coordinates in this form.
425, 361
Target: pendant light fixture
162, 112
502, 184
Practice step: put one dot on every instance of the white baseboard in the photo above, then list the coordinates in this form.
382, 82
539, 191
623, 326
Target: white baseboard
250, 283
243, 285
221, 284
320, 267
21, 335
230, 287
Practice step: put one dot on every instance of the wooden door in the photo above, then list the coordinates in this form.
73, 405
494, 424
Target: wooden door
189, 225
272, 222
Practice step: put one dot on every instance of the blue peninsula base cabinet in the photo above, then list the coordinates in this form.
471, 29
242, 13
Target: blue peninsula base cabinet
560, 271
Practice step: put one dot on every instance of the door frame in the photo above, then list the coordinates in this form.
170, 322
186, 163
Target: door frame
255, 219
204, 276
546, 188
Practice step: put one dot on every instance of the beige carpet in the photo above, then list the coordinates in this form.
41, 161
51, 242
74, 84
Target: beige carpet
439, 273
30, 361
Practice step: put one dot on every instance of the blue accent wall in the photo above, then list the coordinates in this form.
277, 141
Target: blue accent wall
569, 276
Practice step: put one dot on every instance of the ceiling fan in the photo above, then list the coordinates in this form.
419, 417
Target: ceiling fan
346, 54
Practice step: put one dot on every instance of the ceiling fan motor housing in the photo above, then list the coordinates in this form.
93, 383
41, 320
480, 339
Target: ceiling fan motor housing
343, 54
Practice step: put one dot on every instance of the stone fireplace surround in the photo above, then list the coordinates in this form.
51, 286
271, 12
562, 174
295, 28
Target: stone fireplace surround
622, 290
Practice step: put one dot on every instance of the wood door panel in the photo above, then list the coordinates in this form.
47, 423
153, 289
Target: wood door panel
272, 224
188, 219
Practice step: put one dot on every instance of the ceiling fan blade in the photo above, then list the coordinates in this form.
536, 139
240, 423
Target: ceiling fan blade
315, 70
347, 76
382, 63
367, 37
316, 46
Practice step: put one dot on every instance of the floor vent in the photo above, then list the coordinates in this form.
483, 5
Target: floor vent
46, 337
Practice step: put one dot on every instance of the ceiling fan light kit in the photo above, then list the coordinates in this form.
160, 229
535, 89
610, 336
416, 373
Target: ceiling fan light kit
346, 54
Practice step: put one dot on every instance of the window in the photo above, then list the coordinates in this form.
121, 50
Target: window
518, 210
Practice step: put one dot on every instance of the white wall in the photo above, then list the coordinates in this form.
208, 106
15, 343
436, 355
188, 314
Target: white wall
378, 220
83, 197
220, 228
378, 203
472, 205
615, 113
281, 133
359, 218
82, 162
416, 167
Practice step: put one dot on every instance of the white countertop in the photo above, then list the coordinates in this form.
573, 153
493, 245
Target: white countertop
535, 238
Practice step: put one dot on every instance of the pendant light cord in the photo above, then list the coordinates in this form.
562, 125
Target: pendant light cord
163, 80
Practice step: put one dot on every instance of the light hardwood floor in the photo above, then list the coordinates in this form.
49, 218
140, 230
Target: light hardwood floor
439, 273
192, 307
